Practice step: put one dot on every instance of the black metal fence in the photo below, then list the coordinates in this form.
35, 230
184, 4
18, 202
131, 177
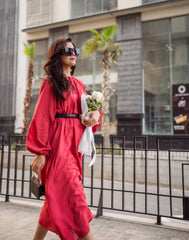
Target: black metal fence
133, 179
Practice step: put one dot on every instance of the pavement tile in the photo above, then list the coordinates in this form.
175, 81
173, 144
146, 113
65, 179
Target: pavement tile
18, 222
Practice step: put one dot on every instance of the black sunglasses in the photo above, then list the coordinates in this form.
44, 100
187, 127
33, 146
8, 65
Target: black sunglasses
68, 51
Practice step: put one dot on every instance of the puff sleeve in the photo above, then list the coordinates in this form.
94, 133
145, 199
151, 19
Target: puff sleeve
37, 140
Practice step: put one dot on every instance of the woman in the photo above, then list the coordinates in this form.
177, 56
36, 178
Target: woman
54, 135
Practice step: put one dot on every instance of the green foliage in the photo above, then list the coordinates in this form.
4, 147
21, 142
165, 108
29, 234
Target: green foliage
29, 50
103, 41
94, 32
109, 33
116, 150
93, 105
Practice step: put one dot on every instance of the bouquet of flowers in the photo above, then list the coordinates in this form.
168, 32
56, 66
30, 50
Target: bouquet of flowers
89, 103
94, 101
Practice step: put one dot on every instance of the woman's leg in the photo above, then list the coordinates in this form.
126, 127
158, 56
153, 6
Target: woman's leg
88, 237
40, 232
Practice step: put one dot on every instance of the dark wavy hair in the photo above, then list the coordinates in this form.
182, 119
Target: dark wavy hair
53, 67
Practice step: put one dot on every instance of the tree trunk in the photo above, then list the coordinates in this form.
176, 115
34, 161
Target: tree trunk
28, 97
106, 94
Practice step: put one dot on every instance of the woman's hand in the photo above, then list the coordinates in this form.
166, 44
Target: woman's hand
38, 163
92, 118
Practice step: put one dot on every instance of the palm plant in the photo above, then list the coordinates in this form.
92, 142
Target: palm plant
104, 42
29, 50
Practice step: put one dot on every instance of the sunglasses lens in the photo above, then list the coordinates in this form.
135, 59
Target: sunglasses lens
77, 51
68, 51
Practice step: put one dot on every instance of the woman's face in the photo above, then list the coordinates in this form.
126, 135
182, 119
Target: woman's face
68, 61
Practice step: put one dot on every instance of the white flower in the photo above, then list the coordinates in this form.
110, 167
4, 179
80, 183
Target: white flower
97, 96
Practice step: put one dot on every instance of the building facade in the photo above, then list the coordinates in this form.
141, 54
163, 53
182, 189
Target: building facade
8, 63
154, 35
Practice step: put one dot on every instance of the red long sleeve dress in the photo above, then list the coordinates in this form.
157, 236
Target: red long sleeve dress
65, 210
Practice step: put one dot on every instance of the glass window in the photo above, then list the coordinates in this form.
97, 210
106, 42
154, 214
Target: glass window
81, 8
41, 49
151, 1
77, 8
180, 49
38, 12
165, 63
93, 7
109, 5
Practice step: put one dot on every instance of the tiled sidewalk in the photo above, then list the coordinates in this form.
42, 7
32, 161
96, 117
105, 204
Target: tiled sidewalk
18, 222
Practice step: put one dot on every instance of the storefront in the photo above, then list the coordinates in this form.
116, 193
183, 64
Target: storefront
161, 62
165, 64
154, 36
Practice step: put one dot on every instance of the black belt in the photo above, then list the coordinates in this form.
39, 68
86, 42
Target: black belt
65, 115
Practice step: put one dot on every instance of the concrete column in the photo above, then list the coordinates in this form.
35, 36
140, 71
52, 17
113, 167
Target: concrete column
8, 63
130, 92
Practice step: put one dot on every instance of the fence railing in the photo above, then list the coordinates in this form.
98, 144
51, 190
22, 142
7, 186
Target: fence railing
127, 179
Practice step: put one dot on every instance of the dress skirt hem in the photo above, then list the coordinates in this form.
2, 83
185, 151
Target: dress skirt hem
53, 230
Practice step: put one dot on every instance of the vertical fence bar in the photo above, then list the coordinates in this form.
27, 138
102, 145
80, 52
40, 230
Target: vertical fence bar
23, 175
123, 174
184, 198
30, 181
100, 202
15, 169
170, 184
183, 187
92, 184
134, 175
158, 220
8, 168
158, 205
102, 176
112, 183
83, 170
2, 160
146, 174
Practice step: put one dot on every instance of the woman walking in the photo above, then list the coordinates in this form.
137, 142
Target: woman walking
53, 136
